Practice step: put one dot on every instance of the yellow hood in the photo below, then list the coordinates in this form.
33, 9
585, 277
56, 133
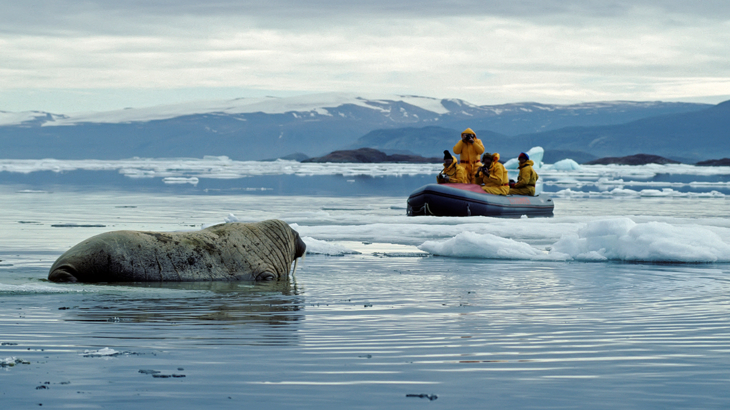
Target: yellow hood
528, 162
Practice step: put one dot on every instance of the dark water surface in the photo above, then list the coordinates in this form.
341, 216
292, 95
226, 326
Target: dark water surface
321, 185
362, 332
356, 331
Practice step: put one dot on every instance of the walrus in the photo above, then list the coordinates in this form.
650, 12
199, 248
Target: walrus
261, 251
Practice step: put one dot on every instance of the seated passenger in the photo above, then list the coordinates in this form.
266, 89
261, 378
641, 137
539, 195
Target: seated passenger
493, 176
527, 179
453, 173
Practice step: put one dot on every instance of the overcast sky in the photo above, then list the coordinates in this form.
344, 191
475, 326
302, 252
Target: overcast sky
67, 56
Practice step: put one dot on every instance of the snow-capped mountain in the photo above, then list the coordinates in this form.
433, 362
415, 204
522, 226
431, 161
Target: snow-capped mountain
274, 127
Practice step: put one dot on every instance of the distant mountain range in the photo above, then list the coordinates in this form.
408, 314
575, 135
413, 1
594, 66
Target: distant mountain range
314, 125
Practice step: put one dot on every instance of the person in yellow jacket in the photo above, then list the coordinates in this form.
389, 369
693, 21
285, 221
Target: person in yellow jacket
469, 149
493, 176
453, 173
527, 179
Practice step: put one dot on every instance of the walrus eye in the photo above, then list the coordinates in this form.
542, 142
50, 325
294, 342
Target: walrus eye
265, 277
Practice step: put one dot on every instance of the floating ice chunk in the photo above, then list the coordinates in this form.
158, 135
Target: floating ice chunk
623, 192
105, 352
709, 184
565, 165
665, 192
607, 227
620, 239
591, 256
486, 246
512, 164
567, 181
315, 246
136, 173
569, 193
607, 181
535, 154
623, 239
711, 194
181, 180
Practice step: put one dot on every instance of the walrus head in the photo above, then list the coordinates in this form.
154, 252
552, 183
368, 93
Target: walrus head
290, 247
301, 247
63, 273
81, 264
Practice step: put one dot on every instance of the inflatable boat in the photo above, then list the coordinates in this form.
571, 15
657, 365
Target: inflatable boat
471, 200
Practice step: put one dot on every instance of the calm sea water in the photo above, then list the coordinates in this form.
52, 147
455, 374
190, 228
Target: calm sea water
387, 328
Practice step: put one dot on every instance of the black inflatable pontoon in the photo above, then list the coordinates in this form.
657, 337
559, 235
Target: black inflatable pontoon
471, 200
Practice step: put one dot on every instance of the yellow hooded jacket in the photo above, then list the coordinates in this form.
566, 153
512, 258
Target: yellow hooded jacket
469, 154
526, 181
455, 172
497, 182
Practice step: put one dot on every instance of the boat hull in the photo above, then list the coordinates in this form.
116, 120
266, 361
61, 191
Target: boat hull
471, 200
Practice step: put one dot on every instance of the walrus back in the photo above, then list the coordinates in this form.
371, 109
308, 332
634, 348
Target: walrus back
235, 251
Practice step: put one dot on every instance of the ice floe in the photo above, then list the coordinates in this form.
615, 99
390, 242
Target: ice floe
623, 239
617, 239
315, 246
485, 246
105, 352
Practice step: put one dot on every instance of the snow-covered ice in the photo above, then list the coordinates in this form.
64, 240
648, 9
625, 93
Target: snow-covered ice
315, 246
625, 240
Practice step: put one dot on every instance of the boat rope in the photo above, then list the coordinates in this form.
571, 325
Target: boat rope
425, 210
428, 210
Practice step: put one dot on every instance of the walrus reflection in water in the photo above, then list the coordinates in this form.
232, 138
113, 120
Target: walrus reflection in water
260, 251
